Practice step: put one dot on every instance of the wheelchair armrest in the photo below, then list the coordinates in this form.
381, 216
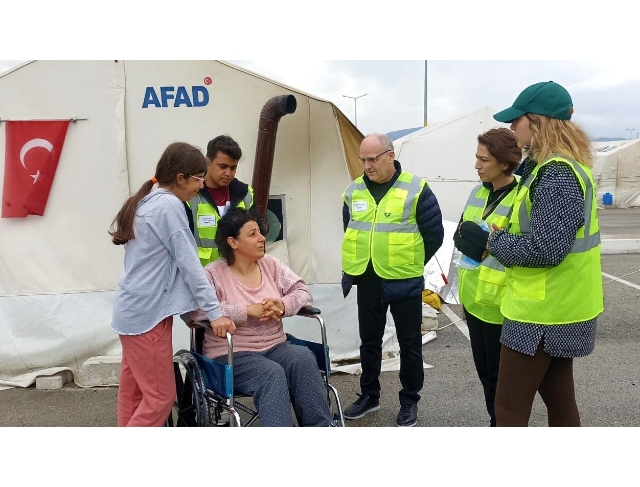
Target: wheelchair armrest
308, 311
321, 351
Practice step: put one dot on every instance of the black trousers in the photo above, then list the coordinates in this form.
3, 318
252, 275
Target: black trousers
485, 347
372, 317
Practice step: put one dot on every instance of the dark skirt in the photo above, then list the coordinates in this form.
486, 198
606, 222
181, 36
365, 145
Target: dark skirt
565, 341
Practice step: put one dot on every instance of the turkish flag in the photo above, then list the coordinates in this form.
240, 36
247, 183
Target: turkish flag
32, 152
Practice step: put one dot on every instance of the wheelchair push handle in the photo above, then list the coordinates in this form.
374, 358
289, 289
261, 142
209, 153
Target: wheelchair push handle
203, 323
207, 324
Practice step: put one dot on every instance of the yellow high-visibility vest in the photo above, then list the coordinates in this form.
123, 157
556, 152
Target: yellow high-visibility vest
205, 222
571, 291
386, 233
481, 290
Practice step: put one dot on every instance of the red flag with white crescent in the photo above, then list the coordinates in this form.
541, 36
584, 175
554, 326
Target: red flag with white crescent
32, 152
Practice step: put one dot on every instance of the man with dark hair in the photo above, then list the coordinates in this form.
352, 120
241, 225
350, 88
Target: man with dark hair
221, 191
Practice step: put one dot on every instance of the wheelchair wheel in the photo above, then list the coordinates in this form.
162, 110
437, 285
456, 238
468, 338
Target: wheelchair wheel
190, 407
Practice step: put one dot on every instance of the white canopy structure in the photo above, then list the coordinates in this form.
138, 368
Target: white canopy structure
616, 170
58, 272
444, 155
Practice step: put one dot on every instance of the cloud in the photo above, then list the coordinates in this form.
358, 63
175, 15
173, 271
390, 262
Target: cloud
395, 98
604, 91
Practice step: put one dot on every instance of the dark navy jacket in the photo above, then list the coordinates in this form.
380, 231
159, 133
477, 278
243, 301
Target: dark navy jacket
429, 218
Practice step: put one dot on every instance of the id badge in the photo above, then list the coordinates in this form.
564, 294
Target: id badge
359, 206
207, 221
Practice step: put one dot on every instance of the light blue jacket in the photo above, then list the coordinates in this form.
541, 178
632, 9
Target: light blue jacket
162, 273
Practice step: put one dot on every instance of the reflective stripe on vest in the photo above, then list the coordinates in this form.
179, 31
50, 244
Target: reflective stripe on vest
587, 240
481, 290
570, 292
205, 235
386, 233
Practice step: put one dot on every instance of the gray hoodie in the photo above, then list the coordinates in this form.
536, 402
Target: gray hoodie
162, 273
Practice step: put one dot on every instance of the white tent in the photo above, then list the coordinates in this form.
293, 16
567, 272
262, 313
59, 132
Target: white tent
616, 170
444, 155
58, 272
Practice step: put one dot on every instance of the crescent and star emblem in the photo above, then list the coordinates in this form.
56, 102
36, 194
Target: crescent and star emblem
30, 145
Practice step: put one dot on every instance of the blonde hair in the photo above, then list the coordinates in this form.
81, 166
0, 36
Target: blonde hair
553, 136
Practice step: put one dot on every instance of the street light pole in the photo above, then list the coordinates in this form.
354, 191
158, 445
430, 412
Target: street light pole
425, 93
355, 105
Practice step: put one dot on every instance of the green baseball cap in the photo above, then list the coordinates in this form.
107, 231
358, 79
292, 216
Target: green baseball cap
546, 98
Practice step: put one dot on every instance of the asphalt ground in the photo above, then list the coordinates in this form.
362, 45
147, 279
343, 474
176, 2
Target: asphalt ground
607, 381
619, 222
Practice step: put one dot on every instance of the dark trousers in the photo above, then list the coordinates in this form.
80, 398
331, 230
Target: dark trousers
521, 376
278, 377
372, 317
485, 347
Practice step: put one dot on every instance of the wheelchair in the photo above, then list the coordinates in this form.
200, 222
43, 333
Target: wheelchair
204, 387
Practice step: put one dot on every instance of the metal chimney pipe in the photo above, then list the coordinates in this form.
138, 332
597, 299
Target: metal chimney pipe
270, 116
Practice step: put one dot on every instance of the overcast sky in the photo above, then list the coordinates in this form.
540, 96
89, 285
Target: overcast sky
606, 95
289, 43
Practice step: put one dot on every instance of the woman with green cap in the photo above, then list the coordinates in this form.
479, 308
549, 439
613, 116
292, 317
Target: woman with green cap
551, 251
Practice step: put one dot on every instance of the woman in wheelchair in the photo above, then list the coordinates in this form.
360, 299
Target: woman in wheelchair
255, 291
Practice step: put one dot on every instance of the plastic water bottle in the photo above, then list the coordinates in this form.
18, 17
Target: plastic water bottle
607, 199
464, 261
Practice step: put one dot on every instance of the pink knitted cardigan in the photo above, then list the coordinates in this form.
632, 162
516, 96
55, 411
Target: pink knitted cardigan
278, 281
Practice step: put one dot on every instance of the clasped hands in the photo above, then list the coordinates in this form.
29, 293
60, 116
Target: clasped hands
268, 309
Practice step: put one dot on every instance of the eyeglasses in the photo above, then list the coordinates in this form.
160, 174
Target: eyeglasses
198, 178
372, 160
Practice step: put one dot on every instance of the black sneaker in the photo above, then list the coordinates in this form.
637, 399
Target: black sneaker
408, 415
363, 405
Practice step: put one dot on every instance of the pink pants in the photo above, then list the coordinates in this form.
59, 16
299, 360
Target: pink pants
147, 384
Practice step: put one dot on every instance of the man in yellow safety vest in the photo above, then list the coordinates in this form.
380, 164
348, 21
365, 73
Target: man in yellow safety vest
393, 227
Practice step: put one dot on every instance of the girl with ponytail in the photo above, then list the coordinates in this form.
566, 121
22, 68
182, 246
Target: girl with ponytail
162, 277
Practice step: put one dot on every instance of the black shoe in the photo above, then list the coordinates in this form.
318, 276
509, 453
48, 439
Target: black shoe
363, 405
408, 415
